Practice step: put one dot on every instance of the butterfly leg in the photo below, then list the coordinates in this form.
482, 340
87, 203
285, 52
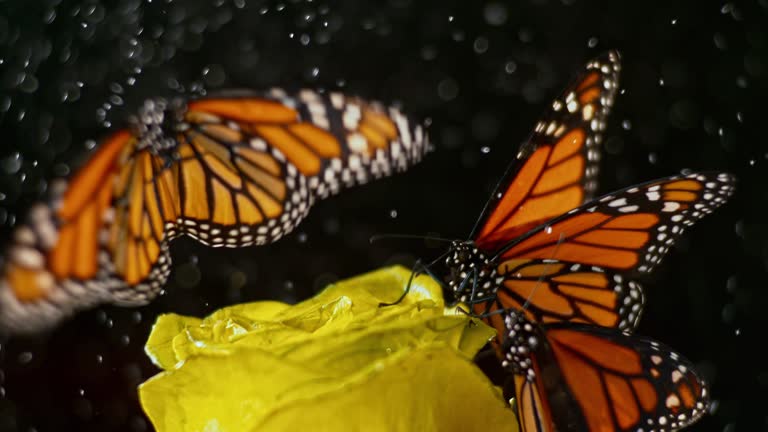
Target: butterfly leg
474, 286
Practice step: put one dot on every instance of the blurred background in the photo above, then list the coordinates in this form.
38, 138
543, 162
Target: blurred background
694, 93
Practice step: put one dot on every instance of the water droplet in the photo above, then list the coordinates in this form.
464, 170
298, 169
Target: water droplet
713, 406
302, 237
653, 158
214, 75
188, 275
99, 359
738, 228
49, 16
481, 45
510, 67
626, 125
237, 280
592, 42
447, 89
12, 163
525, 35
25, 357
674, 21
101, 317
485, 150
720, 41
288, 285
304, 39
428, 52
495, 13
331, 226
393, 214
30, 84
728, 313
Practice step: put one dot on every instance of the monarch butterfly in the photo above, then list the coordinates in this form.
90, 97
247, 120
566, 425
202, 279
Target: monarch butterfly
566, 273
230, 170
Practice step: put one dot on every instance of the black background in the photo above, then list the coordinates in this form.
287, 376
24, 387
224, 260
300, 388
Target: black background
693, 96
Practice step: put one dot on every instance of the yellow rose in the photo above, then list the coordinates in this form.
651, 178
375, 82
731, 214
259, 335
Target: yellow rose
336, 362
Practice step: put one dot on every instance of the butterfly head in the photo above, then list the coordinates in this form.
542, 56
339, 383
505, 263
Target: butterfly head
157, 124
472, 277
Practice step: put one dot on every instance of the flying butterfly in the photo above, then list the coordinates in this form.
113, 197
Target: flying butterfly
233, 169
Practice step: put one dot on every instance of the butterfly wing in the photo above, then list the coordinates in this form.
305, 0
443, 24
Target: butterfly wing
250, 168
585, 378
580, 267
236, 170
548, 291
628, 231
556, 169
532, 411
99, 239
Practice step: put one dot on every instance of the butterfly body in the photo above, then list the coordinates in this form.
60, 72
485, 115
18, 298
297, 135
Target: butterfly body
470, 268
230, 170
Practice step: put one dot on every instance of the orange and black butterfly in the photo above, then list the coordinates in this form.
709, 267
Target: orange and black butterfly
229, 170
548, 256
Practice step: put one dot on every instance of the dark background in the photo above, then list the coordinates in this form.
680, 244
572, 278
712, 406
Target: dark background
694, 96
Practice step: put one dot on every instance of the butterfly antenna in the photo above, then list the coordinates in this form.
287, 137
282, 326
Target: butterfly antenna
414, 273
418, 268
378, 237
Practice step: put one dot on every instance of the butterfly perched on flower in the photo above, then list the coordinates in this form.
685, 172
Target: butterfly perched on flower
553, 270
233, 169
